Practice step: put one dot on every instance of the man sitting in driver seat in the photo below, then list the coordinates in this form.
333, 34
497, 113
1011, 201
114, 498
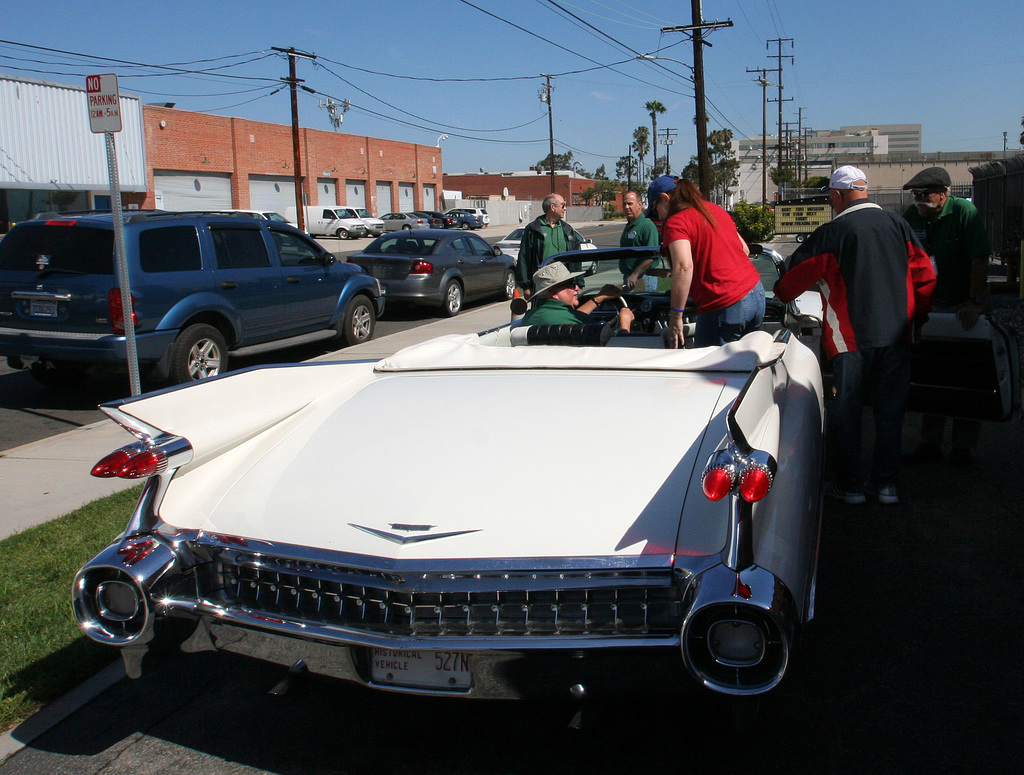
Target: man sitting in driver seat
555, 299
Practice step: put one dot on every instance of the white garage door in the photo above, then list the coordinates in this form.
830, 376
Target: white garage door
192, 190
384, 203
327, 191
429, 198
406, 197
355, 193
271, 192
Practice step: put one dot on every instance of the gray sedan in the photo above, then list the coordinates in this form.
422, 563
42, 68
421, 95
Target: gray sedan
396, 221
435, 266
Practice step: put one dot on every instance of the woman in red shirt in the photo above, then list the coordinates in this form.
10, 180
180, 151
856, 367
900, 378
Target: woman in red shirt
710, 263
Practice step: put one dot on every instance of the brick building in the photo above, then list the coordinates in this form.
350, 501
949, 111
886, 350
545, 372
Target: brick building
529, 185
196, 158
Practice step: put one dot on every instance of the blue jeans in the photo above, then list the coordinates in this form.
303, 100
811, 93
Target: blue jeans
881, 375
732, 322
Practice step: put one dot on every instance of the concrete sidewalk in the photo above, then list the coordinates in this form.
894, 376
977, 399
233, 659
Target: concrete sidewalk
48, 478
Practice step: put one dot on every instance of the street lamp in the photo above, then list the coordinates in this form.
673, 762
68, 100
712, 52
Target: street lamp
653, 57
439, 139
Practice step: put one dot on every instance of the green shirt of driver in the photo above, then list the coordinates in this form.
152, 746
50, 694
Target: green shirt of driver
554, 312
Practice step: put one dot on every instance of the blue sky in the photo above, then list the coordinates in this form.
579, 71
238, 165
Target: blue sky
472, 70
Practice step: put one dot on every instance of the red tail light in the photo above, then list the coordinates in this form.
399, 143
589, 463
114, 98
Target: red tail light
115, 311
109, 466
130, 463
62, 223
422, 267
754, 484
716, 483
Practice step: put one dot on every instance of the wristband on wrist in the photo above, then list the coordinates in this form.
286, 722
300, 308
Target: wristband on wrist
680, 311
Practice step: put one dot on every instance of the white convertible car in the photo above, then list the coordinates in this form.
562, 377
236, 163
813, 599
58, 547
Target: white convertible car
651, 524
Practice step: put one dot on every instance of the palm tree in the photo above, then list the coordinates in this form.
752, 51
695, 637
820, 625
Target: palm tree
641, 144
654, 108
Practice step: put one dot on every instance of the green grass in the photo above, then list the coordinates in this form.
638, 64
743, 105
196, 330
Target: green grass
43, 653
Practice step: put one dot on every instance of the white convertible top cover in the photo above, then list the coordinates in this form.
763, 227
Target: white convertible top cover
486, 351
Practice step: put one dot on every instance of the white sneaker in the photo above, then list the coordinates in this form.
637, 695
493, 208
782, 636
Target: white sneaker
886, 494
836, 492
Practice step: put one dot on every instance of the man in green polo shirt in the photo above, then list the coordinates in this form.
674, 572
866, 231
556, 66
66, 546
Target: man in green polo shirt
556, 302
639, 231
953, 233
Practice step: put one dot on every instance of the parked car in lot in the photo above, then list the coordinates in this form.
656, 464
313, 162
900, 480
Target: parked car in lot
435, 220
437, 267
202, 285
465, 221
396, 221
480, 212
269, 215
509, 244
684, 562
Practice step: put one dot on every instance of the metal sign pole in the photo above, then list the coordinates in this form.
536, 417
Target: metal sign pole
122, 266
104, 103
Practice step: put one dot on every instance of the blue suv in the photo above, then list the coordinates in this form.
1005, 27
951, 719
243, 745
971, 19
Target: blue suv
202, 285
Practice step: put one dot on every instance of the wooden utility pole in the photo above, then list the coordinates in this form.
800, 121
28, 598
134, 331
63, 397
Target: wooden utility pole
696, 30
293, 82
670, 135
780, 57
763, 81
545, 96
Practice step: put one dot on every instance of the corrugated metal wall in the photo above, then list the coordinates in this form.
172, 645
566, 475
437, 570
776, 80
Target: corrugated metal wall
46, 143
999, 197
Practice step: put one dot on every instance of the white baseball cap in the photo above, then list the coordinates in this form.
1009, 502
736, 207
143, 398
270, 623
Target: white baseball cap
849, 178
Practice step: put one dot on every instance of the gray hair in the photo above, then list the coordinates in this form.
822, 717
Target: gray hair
548, 202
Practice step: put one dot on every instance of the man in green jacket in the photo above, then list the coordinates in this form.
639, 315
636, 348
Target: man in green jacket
543, 237
953, 234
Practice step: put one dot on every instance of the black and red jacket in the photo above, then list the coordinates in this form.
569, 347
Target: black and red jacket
874, 277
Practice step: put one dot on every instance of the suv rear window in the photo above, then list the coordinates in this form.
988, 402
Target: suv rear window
170, 249
68, 246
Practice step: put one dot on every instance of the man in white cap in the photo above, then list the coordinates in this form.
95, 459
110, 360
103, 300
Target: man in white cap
555, 299
876, 285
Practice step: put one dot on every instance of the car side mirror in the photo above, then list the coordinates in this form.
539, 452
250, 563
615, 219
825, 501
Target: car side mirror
495, 250
329, 259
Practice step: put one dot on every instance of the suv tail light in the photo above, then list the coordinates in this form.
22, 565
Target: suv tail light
422, 267
115, 311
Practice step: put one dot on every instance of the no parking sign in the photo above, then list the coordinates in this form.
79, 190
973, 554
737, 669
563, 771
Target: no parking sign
104, 103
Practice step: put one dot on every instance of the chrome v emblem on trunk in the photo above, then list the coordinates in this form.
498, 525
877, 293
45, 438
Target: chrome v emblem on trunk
409, 539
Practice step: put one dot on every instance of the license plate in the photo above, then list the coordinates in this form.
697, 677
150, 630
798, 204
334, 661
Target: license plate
42, 309
448, 670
